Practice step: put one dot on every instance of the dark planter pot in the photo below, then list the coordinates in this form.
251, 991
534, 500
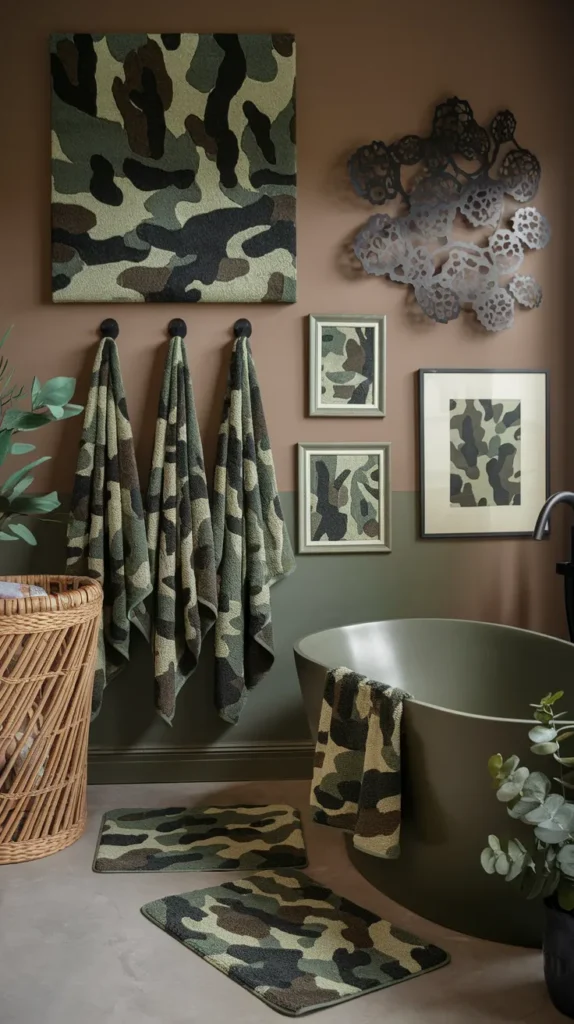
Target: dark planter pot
558, 948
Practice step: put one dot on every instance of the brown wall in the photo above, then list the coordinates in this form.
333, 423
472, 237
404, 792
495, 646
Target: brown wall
365, 69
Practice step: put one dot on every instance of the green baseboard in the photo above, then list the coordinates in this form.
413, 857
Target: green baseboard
220, 763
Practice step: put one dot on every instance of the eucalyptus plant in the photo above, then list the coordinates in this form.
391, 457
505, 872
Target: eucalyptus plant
48, 403
539, 801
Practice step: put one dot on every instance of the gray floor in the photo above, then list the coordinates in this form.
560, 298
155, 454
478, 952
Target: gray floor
74, 948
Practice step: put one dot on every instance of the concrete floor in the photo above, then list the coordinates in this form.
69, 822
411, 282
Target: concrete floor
74, 948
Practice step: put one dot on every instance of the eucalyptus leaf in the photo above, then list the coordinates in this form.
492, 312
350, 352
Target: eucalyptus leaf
6, 536
494, 843
57, 391
14, 478
501, 864
23, 533
487, 860
15, 419
5, 444
512, 787
22, 449
36, 388
31, 504
494, 765
71, 410
565, 859
544, 748
20, 487
542, 734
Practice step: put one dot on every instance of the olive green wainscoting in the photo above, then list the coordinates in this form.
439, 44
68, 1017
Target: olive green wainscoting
130, 743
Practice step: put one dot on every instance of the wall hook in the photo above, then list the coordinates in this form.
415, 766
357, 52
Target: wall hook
177, 328
109, 328
242, 328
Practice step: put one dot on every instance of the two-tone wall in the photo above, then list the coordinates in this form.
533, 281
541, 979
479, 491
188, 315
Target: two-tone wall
367, 70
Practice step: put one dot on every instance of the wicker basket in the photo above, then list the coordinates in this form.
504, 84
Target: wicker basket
47, 656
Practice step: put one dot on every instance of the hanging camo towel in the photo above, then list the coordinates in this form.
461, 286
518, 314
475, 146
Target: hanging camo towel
106, 527
180, 537
357, 775
252, 546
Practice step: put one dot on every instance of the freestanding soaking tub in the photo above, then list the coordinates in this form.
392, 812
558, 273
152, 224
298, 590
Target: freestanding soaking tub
471, 684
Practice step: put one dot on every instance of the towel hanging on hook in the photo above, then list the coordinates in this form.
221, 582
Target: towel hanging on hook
180, 537
106, 526
252, 545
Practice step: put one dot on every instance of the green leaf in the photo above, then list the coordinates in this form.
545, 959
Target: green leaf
14, 478
20, 487
23, 532
502, 864
537, 887
544, 748
487, 859
494, 843
57, 411
565, 859
564, 733
494, 765
72, 410
542, 734
551, 698
6, 536
6, 335
31, 504
567, 761
15, 419
5, 443
36, 387
566, 895
57, 391
22, 449
512, 788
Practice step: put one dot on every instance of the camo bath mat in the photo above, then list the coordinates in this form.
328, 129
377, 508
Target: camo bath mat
243, 838
291, 942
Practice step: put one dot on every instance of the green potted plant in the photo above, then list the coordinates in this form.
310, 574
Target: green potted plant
547, 869
48, 403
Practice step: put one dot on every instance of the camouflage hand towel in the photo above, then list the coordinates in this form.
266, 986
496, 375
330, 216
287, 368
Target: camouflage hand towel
180, 537
106, 527
252, 546
357, 775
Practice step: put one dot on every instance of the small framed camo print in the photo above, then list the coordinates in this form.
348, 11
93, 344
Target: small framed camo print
344, 497
347, 365
484, 451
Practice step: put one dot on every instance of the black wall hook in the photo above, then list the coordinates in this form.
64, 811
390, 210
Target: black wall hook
109, 328
242, 328
177, 328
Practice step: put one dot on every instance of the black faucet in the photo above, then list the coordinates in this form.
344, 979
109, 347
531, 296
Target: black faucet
565, 569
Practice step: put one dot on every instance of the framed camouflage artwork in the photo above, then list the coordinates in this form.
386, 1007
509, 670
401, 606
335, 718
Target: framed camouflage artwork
484, 451
344, 497
173, 168
347, 365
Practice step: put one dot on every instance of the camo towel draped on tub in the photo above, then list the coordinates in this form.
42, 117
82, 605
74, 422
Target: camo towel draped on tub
180, 537
252, 546
357, 775
106, 527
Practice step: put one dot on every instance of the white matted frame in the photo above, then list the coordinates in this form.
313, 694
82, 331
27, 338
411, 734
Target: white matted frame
322, 545
437, 389
318, 405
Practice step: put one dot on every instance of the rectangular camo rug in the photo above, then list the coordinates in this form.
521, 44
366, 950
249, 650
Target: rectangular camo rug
292, 942
244, 838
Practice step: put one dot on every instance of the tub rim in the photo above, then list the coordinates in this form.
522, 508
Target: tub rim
436, 618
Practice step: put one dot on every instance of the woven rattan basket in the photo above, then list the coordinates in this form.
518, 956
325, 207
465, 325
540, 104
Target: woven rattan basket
47, 656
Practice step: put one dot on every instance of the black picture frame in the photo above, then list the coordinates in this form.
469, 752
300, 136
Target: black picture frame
421, 375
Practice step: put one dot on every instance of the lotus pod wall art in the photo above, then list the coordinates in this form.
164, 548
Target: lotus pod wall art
455, 231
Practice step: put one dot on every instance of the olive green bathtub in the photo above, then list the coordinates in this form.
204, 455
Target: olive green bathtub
471, 684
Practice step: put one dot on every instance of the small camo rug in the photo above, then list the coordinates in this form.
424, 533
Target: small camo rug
200, 839
291, 942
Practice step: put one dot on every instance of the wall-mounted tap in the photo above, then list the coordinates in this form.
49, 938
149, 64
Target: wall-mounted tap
565, 569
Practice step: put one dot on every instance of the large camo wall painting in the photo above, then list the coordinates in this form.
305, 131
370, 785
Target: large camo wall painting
484, 452
173, 168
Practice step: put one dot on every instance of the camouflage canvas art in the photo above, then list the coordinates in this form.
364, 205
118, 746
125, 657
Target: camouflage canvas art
347, 366
173, 168
485, 452
200, 839
292, 942
344, 497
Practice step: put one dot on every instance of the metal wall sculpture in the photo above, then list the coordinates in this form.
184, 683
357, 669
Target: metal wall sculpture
461, 174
